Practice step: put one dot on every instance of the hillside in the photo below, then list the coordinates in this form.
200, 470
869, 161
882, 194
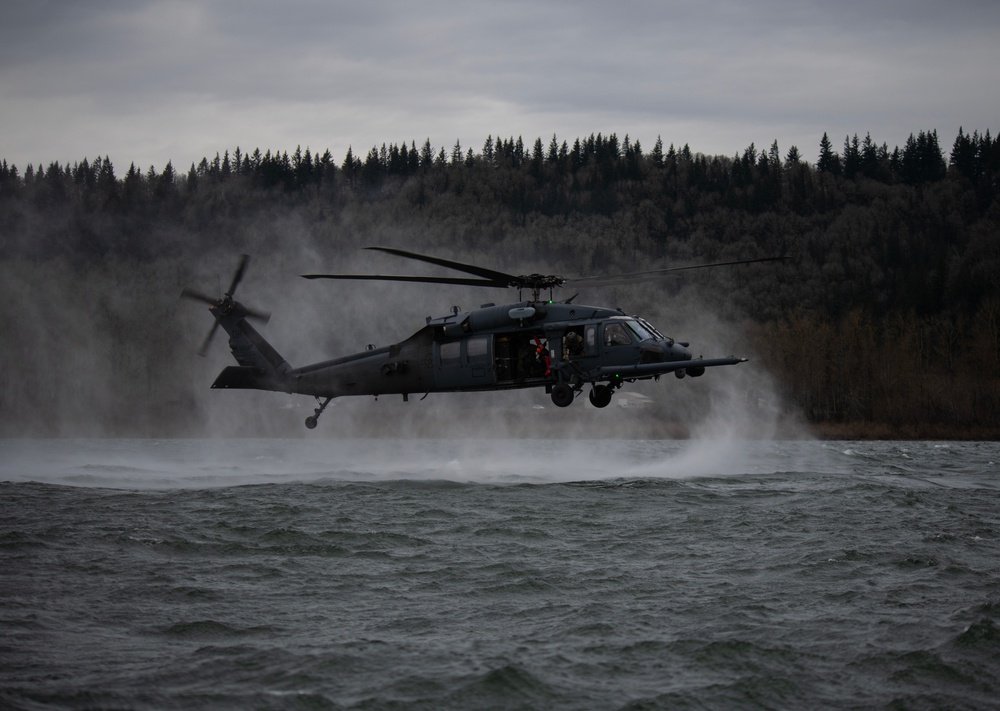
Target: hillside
884, 322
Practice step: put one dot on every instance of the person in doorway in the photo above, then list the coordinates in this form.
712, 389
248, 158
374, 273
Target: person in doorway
573, 343
541, 357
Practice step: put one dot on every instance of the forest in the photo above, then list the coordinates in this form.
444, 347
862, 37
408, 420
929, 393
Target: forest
884, 321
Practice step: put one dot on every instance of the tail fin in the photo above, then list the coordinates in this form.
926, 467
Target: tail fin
261, 367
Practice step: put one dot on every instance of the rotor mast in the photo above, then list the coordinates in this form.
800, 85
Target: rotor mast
536, 282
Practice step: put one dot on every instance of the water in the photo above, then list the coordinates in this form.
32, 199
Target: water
375, 574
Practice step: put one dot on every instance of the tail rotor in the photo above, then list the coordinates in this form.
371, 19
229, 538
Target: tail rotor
225, 304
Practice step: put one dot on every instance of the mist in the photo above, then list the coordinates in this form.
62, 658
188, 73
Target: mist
109, 349
99, 344
167, 464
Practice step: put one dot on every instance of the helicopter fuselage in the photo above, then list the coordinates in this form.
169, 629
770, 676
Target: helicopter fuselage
557, 346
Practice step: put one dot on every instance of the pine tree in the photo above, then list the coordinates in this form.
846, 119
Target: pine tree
657, 155
852, 157
426, 155
829, 161
552, 156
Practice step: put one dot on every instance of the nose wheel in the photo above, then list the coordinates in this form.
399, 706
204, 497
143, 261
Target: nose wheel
313, 419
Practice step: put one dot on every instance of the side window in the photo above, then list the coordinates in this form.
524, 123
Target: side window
478, 349
615, 335
451, 353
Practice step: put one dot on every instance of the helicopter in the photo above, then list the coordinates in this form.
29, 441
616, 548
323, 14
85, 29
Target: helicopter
560, 346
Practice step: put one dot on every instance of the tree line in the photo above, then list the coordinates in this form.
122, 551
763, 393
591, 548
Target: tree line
973, 156
887, 312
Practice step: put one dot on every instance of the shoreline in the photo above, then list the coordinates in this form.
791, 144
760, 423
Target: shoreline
632, 427
886, 432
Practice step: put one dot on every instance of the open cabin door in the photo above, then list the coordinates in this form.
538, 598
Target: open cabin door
521, 357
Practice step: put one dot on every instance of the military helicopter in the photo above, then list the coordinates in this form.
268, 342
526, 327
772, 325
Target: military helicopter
535, 343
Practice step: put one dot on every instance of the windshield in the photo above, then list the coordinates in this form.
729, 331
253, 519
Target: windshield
650, 327
640, 330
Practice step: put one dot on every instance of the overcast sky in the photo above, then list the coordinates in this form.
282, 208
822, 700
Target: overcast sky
147, 81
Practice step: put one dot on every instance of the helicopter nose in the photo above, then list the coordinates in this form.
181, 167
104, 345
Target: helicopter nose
663, 350
678, 351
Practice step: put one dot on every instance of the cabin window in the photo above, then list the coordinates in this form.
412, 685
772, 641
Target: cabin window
591, 336
615, 335
478, 349
451, 353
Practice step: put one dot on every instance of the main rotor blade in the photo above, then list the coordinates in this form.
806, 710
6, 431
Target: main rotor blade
419, 279
652, 275
500, 278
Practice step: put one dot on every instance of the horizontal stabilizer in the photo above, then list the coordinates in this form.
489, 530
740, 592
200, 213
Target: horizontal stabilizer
241, 377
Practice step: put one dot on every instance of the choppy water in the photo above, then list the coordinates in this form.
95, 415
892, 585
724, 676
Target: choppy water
498, 574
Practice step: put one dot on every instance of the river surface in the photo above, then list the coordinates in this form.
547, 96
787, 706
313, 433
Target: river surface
498, 574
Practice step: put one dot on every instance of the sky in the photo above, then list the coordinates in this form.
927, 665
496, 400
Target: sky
151, 81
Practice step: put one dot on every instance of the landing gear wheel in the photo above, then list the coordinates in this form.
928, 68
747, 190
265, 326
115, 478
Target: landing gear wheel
562, 395
313, 419
600, 396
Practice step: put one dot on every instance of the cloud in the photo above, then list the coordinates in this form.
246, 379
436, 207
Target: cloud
178, 80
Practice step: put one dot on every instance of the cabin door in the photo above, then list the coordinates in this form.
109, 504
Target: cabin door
465, 364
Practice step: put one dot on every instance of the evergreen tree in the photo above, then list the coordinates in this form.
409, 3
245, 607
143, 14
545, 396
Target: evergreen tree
657, 155
166, 186
852, 157
774, 155
553, 153
829, 161
426, 155
869, 157
964, 155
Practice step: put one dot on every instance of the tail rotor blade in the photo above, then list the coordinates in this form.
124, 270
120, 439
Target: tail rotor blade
208, 340
225, 305
238, 276
262, 316
198, 296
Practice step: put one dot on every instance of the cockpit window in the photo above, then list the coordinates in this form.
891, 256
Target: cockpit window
640, 330
616, 335
650, 328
